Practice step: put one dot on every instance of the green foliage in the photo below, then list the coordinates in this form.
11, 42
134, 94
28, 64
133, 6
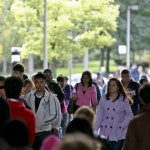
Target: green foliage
140, 26
73, 26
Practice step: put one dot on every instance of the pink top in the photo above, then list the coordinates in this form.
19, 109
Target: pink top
50, 143
63, 106
89, 98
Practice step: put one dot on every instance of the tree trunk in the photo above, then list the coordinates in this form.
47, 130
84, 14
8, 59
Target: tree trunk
101, 57
31, 63
86, 60
107, 61
53, 66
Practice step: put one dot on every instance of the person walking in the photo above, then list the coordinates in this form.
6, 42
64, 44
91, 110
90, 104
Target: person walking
113, 114
18, 71
13, 86
86, 94
46, 108
65, 116
53, 85
138, 133
131, 88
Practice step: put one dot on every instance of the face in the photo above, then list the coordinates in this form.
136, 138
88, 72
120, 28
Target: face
113, 87
39, 84
2, 91
27, 88
48, 75
62, 84
85, 79
18, 74
126, 78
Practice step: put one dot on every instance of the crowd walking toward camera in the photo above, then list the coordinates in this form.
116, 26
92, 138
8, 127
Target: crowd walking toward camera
41, 113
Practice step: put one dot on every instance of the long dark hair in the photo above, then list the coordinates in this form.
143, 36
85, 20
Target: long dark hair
121, 89
88, 73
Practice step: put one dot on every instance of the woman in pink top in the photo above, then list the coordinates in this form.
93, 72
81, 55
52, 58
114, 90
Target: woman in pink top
86, 94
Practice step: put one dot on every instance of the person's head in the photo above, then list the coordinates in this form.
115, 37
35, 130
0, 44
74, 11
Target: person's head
40, 82
18, 70
125, 76
86, 78
77, 141
115, 86
13, 86
143, 80
61, 81
28, 86
80, 124
15, 134
50, 143
144, 93
2, 91
86, 112
66, 80
48, 74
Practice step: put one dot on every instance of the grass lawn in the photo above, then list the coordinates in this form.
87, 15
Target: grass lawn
78, 68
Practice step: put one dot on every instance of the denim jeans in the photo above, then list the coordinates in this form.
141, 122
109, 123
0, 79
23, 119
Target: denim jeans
64, 124
117, 145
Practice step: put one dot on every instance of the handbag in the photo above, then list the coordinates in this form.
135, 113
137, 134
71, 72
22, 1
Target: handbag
72, 107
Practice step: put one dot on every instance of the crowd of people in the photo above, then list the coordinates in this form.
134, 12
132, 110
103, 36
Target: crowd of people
46, 114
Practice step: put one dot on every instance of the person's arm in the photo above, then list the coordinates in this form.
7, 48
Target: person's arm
97, 90
57, 121
26, 100
99, 114
94, 101
32, 128
128, 114
131, 138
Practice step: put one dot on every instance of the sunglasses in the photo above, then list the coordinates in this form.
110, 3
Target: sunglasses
1, 87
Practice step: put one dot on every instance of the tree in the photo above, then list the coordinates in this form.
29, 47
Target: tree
73, 26
140, 28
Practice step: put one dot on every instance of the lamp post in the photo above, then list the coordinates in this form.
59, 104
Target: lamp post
132, 7
45, 60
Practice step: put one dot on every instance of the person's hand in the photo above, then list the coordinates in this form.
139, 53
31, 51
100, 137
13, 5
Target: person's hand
74, 97
55, 131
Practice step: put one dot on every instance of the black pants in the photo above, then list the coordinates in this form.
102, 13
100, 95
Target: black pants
39, 139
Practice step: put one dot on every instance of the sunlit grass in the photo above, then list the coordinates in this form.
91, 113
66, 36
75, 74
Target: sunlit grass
94, 66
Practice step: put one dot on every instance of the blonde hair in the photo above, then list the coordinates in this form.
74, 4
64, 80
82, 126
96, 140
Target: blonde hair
77, 141
86, 112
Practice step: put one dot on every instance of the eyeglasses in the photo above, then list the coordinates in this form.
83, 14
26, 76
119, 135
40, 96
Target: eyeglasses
1, 87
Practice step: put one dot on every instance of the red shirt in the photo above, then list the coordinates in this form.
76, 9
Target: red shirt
19, 111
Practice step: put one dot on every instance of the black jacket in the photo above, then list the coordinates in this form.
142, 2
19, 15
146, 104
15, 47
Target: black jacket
55, 88
133, 87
